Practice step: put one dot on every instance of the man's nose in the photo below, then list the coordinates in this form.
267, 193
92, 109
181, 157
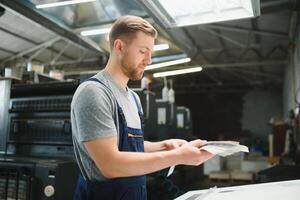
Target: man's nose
148, 58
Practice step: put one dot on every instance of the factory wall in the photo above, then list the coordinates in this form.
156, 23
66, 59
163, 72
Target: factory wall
258, 108
215, 115
292, 72
233, 115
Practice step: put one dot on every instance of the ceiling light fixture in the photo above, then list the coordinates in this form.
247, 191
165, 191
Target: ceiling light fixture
62, 3
168, 63
160, 47
173, 13
177, 72
99, 31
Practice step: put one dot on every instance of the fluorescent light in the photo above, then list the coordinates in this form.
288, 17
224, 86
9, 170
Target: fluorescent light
190, 12
177, 72
99, 31
62, 3
169, 63
160, 47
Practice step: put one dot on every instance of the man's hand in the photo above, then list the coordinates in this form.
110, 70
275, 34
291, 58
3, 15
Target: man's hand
173, 143
190, 154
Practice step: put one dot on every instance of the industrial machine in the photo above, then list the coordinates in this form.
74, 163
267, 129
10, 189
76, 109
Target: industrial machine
289, 167
36, 160
150, 113
37, 178
36, 153
183, 122
165, 119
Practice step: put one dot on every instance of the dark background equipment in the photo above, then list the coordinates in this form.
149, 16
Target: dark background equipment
289, 167
36, 161
183, 122
150, 113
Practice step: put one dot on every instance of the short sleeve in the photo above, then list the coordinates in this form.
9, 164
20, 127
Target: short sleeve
93, 110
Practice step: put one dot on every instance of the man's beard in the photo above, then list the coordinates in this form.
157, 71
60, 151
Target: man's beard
133, 73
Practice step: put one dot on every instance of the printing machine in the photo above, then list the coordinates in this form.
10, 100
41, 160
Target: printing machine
165, 119
160, 116
183, 122
36, 160
150, 113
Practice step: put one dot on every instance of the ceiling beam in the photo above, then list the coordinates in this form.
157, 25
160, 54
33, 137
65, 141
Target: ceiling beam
256, 28
258, 73
7, 51
278, 5
53, 61
224, 47
38, 52
247, 50
199, 48
274, 49
213, 32
247, 64
30, 41
35, 48
213, 77
28, 10
238, 75
69, 62
248, 30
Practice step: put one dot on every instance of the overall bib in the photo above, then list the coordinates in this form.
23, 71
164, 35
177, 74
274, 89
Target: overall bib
127, 188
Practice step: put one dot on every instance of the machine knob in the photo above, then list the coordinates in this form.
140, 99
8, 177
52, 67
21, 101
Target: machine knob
49, 191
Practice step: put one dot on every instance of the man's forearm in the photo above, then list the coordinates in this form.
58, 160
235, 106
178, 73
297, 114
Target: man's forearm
125, 164
163, 145
154, 146
114, 163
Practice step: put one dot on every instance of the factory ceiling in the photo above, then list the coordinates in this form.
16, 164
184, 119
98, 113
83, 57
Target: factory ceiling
251, 51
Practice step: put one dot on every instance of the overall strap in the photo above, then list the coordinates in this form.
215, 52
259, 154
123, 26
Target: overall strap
97, 80
141, 115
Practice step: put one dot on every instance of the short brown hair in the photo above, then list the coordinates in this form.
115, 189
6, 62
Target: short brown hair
127, 26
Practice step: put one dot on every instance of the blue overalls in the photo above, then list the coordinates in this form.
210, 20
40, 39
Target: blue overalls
127, 188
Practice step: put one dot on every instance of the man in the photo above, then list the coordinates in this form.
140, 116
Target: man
106, 123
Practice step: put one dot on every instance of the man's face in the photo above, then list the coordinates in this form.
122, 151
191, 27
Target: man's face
136, 55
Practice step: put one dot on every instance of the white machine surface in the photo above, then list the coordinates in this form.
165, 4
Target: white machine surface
287, 190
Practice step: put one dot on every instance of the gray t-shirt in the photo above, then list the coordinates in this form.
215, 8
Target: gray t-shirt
94, 115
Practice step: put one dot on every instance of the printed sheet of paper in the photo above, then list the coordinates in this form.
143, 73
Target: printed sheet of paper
224, 148
220, 148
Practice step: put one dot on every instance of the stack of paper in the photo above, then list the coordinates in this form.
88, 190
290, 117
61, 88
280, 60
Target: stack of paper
224, 148
220, 148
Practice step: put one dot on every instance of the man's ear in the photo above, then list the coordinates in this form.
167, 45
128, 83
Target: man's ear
118, 46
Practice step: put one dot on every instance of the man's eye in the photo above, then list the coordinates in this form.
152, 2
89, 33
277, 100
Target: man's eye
142, 52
